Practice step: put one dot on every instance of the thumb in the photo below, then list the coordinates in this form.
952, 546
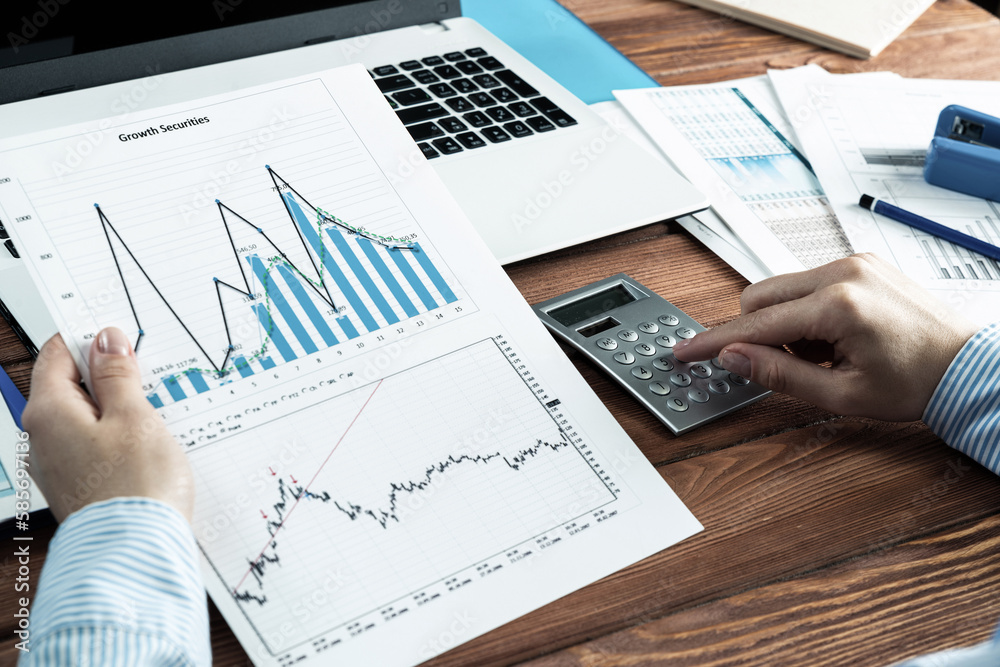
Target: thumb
114, 374
779, 371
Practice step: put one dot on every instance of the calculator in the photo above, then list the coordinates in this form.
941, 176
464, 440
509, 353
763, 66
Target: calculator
630, 331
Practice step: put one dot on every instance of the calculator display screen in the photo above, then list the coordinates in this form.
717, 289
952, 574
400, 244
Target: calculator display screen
591, 305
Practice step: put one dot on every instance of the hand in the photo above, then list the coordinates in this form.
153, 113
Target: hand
888, 340
84, 449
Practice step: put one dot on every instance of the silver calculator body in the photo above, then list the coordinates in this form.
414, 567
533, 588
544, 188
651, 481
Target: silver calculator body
630, 331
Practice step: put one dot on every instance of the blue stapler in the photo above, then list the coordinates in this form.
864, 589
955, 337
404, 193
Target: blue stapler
965, 153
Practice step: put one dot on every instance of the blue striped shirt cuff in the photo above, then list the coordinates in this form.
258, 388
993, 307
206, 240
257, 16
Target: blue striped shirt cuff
965, 408
121, 586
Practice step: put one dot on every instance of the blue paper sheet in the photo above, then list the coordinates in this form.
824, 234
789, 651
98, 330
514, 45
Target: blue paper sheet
561, 45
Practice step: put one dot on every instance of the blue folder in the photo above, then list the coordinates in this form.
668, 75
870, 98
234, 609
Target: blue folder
561, 45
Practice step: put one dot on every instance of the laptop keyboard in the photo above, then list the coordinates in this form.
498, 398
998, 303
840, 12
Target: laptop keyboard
465, 100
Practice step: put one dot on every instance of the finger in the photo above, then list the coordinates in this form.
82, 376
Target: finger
785, 373
114, 374
776, 325
55, 385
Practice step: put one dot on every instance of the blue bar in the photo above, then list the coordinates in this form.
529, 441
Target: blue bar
272, 290
274, 333
312, 236
347, 326
243, 366
411, 277
433, 274
266, 363
198, 381
307, 305
155, 400
372, 252
359, 272
175, 390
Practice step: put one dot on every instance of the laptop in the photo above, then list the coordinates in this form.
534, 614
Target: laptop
533, 167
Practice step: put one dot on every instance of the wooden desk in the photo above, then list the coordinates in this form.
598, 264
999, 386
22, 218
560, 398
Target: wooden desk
828, 541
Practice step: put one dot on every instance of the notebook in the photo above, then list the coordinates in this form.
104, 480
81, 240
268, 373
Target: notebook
533, 167
859, 28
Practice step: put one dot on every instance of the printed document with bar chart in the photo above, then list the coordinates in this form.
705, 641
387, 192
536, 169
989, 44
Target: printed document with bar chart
392, 456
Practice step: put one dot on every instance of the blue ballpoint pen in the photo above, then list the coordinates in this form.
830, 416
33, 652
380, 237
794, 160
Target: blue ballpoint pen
12, 396
929, 226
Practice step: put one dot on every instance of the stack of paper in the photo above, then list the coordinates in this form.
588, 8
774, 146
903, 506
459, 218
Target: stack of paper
785, 158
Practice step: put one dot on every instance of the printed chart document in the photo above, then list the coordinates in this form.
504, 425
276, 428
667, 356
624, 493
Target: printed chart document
871, 137
386, 442
733, 142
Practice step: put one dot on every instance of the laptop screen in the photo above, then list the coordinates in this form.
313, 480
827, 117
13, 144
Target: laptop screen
52, 46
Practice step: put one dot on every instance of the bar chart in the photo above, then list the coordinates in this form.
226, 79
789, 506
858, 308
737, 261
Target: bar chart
376, 283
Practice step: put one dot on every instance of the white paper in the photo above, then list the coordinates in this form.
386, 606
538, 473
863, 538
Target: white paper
733, 142
377, 500
870, 137
708, 228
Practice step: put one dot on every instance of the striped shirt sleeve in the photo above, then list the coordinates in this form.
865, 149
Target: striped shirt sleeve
965, 408
121, 586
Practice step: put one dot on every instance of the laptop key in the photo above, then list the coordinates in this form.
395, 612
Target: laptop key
9, 244
464, 86
476, 52
454, 56
411, 65
485, 81
391, 102
522, 109
477, 119
468, 67
447, 145
425, 131
518, 129
460, 104
447, 72
516, 83
490, 63
385, 70
503, 95
442, 90
429, 151
3, 231
500, 114
495, 134
432, 61
540, 124
425, 77
419, 114
482, 99
412, 96
453, 125
554, 113
394, 82
471, 140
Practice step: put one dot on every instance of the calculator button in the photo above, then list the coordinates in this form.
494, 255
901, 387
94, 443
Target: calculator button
607, 343
648, 327
666, 341
677, 404
625, 358
628, 336
663, 364
701, 371
669, 320
739, 379
659, 388
680, 379
698, 396
685, 332
718, 364
641, 373
645, 349
719, 386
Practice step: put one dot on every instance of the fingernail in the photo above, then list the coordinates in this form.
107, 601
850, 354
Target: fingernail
681, 344
113, 341
735, 362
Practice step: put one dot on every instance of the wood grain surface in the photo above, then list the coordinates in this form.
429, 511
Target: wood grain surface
828, 541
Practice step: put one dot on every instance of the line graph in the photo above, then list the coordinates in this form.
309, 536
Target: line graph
503, 472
